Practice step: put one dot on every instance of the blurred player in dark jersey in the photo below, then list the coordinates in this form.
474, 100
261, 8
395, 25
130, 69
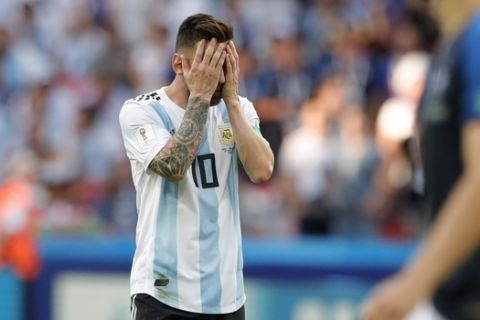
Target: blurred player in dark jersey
446, 268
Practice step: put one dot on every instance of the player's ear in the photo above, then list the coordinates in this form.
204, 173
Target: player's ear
177, 64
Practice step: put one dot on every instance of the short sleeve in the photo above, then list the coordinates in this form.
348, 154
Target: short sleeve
469, 60
250, 113
144, 133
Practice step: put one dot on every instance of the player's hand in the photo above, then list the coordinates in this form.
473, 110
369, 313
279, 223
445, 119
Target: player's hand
394, 298
232, 71
203, 75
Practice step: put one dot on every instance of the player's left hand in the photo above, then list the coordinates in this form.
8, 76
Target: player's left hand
232, 71
394, 298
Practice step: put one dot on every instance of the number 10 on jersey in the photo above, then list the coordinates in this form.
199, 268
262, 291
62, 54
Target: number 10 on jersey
205, 164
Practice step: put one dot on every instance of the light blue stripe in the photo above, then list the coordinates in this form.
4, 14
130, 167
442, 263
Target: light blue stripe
223, 110
210, 284
233, 192
165, 260
163, 115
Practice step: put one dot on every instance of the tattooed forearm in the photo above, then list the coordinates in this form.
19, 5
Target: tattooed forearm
177, 156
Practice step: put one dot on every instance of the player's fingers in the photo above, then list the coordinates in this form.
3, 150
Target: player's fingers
209, 51
217, 54
199, 52
221, 61
234, 50
235, 58
229, 64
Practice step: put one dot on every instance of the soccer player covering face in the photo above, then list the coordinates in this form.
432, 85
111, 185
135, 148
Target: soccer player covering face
446, 268
184, 142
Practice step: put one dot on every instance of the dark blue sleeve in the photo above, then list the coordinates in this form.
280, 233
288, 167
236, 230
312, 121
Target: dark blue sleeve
469, 60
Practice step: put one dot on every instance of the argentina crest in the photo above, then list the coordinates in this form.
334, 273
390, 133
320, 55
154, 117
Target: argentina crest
225, 134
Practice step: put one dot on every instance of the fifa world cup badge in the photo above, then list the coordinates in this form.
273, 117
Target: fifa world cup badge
145, 135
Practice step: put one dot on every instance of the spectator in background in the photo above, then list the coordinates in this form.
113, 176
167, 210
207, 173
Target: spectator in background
233, 12
99, 138
83, 44
263, 209
100, 147
115, 56
352, 191
316, 26
399, 177
22, 63
20, 205
118, 201
283, 84
306, 157
44, 118
249, 80
394, 37
148, 65
304, 161
348, 56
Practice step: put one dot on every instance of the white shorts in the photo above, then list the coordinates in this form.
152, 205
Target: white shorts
424, 311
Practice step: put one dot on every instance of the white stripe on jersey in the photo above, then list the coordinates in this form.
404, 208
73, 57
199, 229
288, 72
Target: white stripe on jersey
188, 231
188, 222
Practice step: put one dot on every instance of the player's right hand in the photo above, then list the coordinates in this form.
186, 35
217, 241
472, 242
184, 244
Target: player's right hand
395, 298
203, 75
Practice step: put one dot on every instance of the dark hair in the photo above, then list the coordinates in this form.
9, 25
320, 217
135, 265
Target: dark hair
202, 26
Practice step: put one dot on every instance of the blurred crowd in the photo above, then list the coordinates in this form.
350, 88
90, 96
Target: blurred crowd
336, 84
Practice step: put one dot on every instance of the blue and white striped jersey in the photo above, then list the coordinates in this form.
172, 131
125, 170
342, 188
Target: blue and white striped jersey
189, 253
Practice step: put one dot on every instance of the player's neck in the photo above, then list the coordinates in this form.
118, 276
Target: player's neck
455, 18
177, 91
